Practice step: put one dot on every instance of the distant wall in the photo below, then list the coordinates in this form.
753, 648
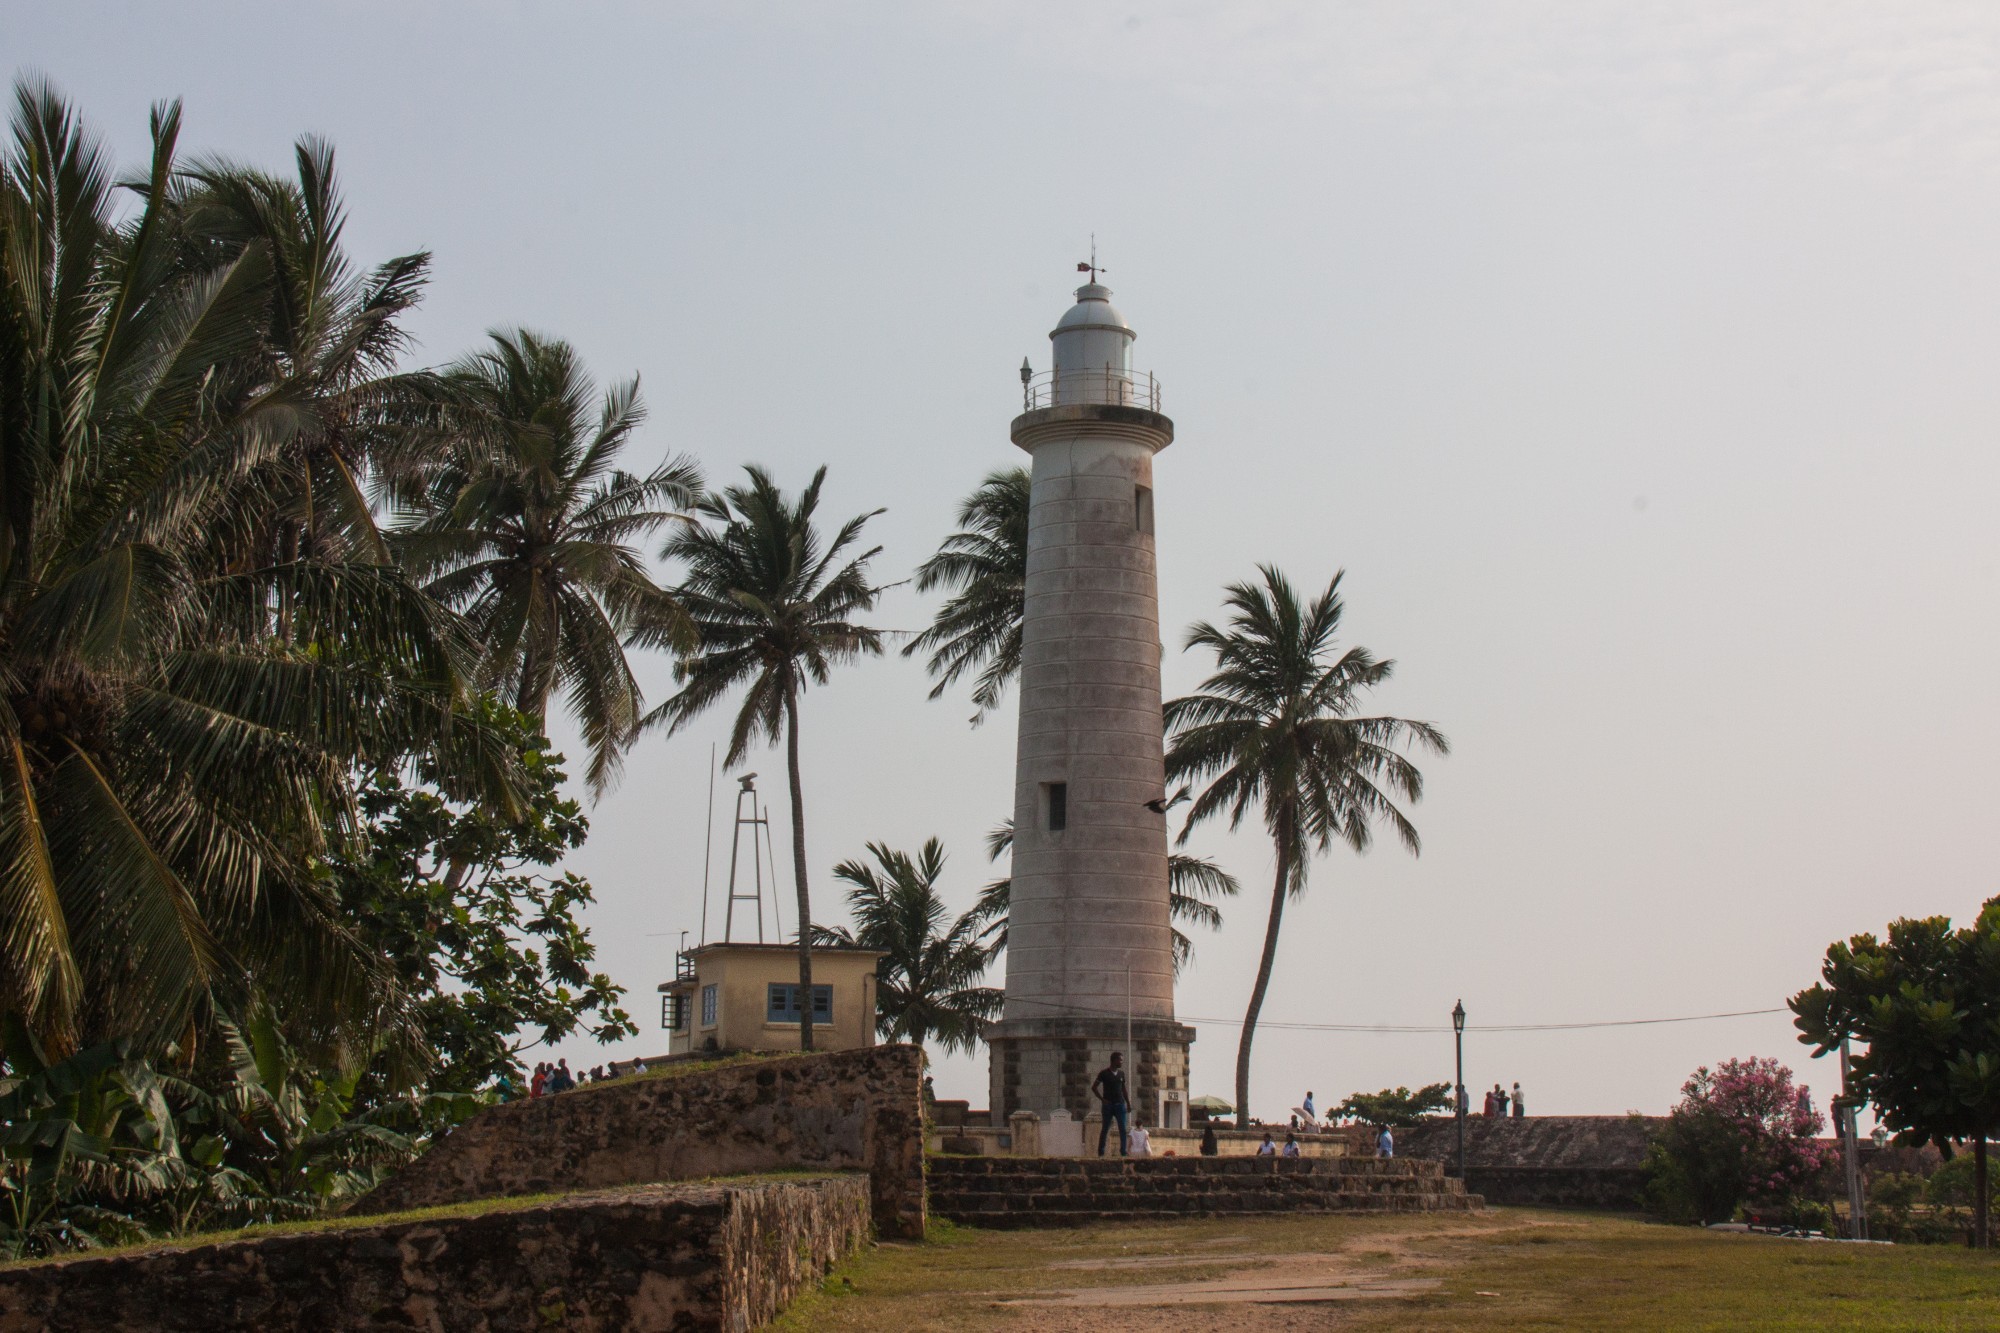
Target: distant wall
1066, 1138
844, 1111
1595, 1161
660, 1257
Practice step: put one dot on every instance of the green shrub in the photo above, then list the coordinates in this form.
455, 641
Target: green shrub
1951, 1184
1891, 1196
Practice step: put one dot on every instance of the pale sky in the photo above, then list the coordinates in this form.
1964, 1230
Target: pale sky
1635, 361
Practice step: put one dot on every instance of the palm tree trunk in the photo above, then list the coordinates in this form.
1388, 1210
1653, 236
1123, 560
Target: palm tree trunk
1264, 965
799, 870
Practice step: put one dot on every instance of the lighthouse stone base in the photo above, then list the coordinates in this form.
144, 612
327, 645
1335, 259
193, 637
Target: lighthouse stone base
1047, 1064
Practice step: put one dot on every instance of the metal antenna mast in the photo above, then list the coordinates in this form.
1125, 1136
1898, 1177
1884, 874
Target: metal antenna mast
777, 921
755, 820
707, 845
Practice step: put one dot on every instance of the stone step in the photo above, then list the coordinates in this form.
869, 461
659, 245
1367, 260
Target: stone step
1055, 1191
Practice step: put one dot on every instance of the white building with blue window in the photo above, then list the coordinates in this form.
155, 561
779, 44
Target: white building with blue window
745, 997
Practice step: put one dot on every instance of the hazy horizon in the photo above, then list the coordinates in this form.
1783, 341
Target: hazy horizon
1635, 363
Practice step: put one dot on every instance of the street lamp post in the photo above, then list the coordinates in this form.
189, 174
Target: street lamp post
1458, 1089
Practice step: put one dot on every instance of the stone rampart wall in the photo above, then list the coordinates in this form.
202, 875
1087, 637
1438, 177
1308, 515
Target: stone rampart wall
1558, 1186
1591, 1161
843, 1111
659, 1257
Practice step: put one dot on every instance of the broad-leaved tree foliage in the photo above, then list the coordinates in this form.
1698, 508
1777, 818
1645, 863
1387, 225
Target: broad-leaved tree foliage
479, 923
1742, 1133
1398, 1107
1925, 1002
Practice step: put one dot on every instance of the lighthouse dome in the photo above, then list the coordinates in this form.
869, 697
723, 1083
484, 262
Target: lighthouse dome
1093, 309
1092, 336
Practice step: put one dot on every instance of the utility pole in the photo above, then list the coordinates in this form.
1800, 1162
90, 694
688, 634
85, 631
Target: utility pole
1844, 1109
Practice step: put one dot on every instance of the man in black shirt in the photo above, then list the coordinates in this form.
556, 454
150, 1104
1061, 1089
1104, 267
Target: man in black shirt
1109, 1086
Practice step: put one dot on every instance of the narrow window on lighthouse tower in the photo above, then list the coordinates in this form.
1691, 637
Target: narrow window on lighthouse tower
1142, 508
1058, 806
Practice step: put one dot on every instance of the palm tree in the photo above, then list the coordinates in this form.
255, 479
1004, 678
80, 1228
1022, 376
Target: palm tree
1275, 727
530, 529
335, 405
927, 986
772, 603
986, 562
172, 770
1193, 883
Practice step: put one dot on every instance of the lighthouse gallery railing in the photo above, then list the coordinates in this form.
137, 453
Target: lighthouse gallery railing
1124, 388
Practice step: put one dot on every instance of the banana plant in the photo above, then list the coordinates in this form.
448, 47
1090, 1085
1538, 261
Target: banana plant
289, 1131
85, 1144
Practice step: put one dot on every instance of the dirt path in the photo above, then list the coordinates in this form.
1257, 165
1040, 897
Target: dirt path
1238, 1288
1313, 1277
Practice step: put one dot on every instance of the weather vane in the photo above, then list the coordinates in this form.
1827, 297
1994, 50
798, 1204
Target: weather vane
1091, 268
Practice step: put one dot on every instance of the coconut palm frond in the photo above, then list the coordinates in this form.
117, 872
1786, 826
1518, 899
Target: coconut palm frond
985, 564
527, 526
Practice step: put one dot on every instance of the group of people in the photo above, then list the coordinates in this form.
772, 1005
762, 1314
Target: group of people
1133, 1141
553, 1078
1499, 1103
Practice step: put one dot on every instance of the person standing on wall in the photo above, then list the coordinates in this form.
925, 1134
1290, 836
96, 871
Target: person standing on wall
1109, 1089
1520, 1107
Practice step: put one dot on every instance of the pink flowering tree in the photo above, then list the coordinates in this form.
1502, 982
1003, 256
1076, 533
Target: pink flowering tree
1743, 1133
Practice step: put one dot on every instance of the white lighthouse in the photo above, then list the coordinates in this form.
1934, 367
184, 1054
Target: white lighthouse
1089, 947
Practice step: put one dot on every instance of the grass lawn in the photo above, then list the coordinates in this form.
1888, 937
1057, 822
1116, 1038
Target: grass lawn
1506, 1268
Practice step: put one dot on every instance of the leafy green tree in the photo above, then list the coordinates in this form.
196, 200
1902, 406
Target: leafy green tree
1193, 885
469, 909
985, 564
926, 986
1275, 727
773, 601
179, 721
1397, 1107
1926, 1001
525, 523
